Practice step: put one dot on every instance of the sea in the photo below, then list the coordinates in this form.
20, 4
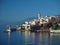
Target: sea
28, 38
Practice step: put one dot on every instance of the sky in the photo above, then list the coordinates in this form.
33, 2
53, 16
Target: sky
17, 10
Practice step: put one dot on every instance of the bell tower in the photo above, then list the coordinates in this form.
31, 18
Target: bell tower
39, 15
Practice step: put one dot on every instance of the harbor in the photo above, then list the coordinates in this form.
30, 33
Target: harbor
29, 22
38, 31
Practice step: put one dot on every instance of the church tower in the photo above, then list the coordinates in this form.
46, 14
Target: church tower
39, 15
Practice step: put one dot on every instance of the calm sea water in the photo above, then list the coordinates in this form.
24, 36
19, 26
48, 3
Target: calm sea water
28, 38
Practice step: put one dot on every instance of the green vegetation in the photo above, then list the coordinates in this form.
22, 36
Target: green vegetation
55, 26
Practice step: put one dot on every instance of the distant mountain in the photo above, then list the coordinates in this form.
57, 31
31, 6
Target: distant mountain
16, 22
58, 15
28, 19
2, 23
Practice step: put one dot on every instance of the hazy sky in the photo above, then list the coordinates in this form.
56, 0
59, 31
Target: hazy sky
16, 10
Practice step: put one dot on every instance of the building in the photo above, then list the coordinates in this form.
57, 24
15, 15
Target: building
24, 27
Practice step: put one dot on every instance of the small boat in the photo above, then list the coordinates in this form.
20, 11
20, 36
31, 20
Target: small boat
10, 29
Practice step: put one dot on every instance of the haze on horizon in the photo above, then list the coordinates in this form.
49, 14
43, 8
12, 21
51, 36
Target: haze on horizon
16, 10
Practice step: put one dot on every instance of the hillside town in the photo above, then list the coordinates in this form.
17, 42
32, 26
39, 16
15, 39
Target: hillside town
40, 24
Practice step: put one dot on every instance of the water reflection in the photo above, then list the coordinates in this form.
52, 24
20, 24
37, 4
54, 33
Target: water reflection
36, 38
9, 33
32, 38
55, 38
